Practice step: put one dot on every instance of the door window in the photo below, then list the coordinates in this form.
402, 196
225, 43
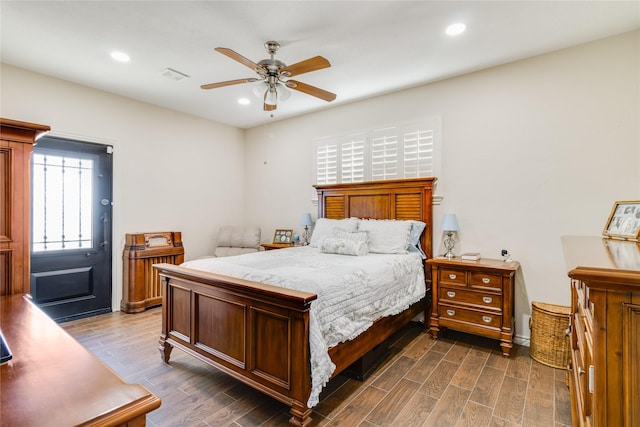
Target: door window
62, 201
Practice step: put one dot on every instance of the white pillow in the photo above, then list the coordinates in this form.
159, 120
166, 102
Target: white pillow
340, 246
324, 228
386, 236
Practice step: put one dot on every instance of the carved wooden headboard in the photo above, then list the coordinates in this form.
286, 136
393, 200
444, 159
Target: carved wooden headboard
393, 199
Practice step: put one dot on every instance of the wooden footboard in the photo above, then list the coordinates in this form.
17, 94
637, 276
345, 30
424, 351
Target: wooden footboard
256, 333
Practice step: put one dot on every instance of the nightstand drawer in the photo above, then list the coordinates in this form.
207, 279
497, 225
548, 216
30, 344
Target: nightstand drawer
452, 276
479, 279
456, 314
481, 300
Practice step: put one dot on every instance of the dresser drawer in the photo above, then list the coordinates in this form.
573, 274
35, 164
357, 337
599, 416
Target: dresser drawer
481, 300
482, 280
452, 276
458, 315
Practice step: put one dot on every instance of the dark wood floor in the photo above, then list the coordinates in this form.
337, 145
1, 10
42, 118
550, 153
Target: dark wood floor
458, 380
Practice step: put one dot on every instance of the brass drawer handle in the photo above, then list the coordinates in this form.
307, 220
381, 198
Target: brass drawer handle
486, 280
487, 300
486, 319
451, 294
452, 276
451, 312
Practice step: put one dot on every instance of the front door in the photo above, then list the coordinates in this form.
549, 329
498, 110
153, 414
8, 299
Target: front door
71, 228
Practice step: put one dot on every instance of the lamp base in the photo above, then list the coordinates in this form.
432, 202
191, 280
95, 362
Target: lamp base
306, 234
449, 243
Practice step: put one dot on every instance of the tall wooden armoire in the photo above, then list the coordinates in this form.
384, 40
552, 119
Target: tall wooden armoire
16, 145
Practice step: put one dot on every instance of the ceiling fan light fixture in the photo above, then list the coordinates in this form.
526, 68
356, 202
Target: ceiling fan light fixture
271, 96
259, 89
283, 92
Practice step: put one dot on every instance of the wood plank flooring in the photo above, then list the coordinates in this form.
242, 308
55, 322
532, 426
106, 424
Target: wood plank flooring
458, 380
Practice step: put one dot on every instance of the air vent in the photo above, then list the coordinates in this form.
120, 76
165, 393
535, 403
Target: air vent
173, 74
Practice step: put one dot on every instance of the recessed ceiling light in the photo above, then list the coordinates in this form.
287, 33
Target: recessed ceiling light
244, 101
455, 29
120, 56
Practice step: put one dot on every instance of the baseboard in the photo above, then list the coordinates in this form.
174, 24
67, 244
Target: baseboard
520, 340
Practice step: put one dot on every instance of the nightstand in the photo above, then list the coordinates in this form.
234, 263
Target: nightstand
271, 246
475, 297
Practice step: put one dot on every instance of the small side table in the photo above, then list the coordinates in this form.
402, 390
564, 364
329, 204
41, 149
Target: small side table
272, 246
474, 297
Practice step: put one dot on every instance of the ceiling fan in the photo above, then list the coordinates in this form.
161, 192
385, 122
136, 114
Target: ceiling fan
274, 76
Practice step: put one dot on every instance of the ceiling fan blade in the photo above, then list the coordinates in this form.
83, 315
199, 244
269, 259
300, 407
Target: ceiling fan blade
311, 90
306, 66
241, 59
228, 83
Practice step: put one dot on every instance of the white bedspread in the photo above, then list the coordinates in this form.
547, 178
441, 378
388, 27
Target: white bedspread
353, 291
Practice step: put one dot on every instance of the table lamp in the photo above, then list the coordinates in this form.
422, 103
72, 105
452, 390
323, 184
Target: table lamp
306, 220
449, 226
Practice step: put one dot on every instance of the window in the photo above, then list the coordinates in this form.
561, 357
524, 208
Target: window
62, 200
393, 152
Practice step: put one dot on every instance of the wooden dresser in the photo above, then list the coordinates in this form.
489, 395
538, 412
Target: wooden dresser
604, 371
16, 145
52, 380
474, 297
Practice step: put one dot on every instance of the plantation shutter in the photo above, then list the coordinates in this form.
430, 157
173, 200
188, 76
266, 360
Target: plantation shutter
394, 152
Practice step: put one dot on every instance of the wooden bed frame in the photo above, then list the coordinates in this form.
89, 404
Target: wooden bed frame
259, 333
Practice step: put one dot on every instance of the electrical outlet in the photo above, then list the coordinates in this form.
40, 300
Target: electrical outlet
505, 252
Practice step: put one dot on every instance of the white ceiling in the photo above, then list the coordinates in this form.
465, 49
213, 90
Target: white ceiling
374, 47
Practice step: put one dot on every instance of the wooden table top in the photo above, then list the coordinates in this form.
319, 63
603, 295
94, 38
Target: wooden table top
53, 380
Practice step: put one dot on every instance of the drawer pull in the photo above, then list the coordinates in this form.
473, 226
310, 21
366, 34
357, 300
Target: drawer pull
451, 312
487, 300
486, 319
486, 280
451, 294
452, 276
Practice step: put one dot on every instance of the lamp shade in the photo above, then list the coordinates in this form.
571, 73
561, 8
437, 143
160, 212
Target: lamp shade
306, 220
449, 223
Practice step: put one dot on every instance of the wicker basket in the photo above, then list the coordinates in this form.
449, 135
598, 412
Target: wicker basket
549, 341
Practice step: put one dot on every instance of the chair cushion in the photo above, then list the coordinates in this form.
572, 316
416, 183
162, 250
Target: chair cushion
237, 239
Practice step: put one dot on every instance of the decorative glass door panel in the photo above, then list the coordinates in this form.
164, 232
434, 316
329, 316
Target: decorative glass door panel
62, 201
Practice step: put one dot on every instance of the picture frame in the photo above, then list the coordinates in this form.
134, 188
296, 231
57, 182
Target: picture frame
283, 236
624, 221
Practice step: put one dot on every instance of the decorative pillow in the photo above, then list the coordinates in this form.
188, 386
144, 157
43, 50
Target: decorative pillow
336, 245
324, 228
386, 236
417, 227
357, 236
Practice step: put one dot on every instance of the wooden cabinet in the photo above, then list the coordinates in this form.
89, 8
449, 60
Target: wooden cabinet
16, 145
604, 373
474, 297
141, 286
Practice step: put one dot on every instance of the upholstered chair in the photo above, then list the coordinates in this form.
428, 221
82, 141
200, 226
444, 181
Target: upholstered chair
237, 240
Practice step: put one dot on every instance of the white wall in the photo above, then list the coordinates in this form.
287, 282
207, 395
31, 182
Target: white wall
531, 151
172, 172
